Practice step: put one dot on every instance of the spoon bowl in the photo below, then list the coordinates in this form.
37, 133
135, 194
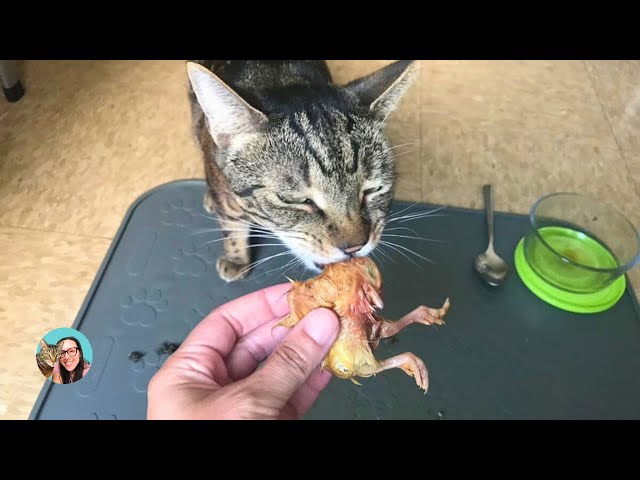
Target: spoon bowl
491, 268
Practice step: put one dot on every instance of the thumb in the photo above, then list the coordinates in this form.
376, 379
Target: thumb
300, 354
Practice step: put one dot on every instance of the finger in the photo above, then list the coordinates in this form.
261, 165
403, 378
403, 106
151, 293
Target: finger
304, 348
306, 396
253, 348
221, 329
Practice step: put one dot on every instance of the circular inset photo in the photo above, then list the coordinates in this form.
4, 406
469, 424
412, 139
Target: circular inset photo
64, 355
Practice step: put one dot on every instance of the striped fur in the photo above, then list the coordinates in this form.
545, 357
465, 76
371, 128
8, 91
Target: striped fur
287, 149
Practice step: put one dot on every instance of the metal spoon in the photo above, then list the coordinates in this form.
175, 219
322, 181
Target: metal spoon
489, 265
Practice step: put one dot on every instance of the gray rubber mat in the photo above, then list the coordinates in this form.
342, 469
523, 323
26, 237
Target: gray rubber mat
502, 353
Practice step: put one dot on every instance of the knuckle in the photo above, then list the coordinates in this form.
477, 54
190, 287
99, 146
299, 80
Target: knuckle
293, 358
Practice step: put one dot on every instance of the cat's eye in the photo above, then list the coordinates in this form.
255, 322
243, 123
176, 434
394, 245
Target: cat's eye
369, 191
311, 204
304, 201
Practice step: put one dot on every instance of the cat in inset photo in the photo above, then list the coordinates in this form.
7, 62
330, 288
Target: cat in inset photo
46, 358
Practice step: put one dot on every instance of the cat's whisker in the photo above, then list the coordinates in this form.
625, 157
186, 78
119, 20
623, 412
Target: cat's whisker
417, 214
382, 252
424, 216
234, 220
393, 215
273, 269
235, 237
210, 230
398, 155
401, 252
404, 255
214, 230
260, 262
239, 224
415, 238
266, 245
293, 260
378, 260
404, 145
408, 250
291, 264
297, 262
249, 227
295, 237
402, 228
259, 233
428, 212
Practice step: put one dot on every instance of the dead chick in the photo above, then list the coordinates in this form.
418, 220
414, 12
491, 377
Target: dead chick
353, 289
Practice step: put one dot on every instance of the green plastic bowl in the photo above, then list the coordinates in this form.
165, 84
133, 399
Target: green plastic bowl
577, 252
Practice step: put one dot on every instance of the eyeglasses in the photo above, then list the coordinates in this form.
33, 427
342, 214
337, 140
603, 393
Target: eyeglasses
72, 352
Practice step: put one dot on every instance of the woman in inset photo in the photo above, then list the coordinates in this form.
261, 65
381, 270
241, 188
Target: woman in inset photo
72, 365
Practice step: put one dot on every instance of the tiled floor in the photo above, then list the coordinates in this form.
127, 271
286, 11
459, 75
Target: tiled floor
91, 136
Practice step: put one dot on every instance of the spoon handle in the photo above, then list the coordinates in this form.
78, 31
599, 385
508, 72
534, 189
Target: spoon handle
487, 192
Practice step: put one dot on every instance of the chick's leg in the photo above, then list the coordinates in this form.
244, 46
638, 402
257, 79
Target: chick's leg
422, 314
411, 365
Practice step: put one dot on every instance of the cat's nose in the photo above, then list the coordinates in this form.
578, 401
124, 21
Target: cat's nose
350, 249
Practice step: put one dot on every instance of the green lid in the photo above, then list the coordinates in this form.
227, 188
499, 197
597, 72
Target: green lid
572, 302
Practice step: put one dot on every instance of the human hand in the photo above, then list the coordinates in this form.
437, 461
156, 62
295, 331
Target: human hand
213, 375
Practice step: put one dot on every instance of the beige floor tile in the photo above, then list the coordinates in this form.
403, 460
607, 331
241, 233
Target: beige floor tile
530, 127
44, 277
617, 84
483, 90
524, 158
89, 138
634, 168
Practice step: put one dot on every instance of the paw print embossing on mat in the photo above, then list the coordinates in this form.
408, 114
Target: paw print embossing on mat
142, 308
178, 214
194, 260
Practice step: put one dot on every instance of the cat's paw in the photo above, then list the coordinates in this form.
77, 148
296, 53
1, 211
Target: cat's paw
230, 271
208, 204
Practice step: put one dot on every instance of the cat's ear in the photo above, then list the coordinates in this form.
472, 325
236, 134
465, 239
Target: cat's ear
381, 90
227, 113
43, 344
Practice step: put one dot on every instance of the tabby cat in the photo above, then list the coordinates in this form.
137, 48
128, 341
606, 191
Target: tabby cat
47, 356
288, 150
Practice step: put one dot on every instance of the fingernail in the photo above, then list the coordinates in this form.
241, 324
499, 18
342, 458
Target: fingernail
321, 325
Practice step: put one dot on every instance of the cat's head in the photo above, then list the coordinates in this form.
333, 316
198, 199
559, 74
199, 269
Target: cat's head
49, 353
317, 170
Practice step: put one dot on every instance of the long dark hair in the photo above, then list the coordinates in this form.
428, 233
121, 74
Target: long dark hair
66, 375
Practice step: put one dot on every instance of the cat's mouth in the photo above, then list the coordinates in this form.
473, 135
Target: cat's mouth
363, 253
